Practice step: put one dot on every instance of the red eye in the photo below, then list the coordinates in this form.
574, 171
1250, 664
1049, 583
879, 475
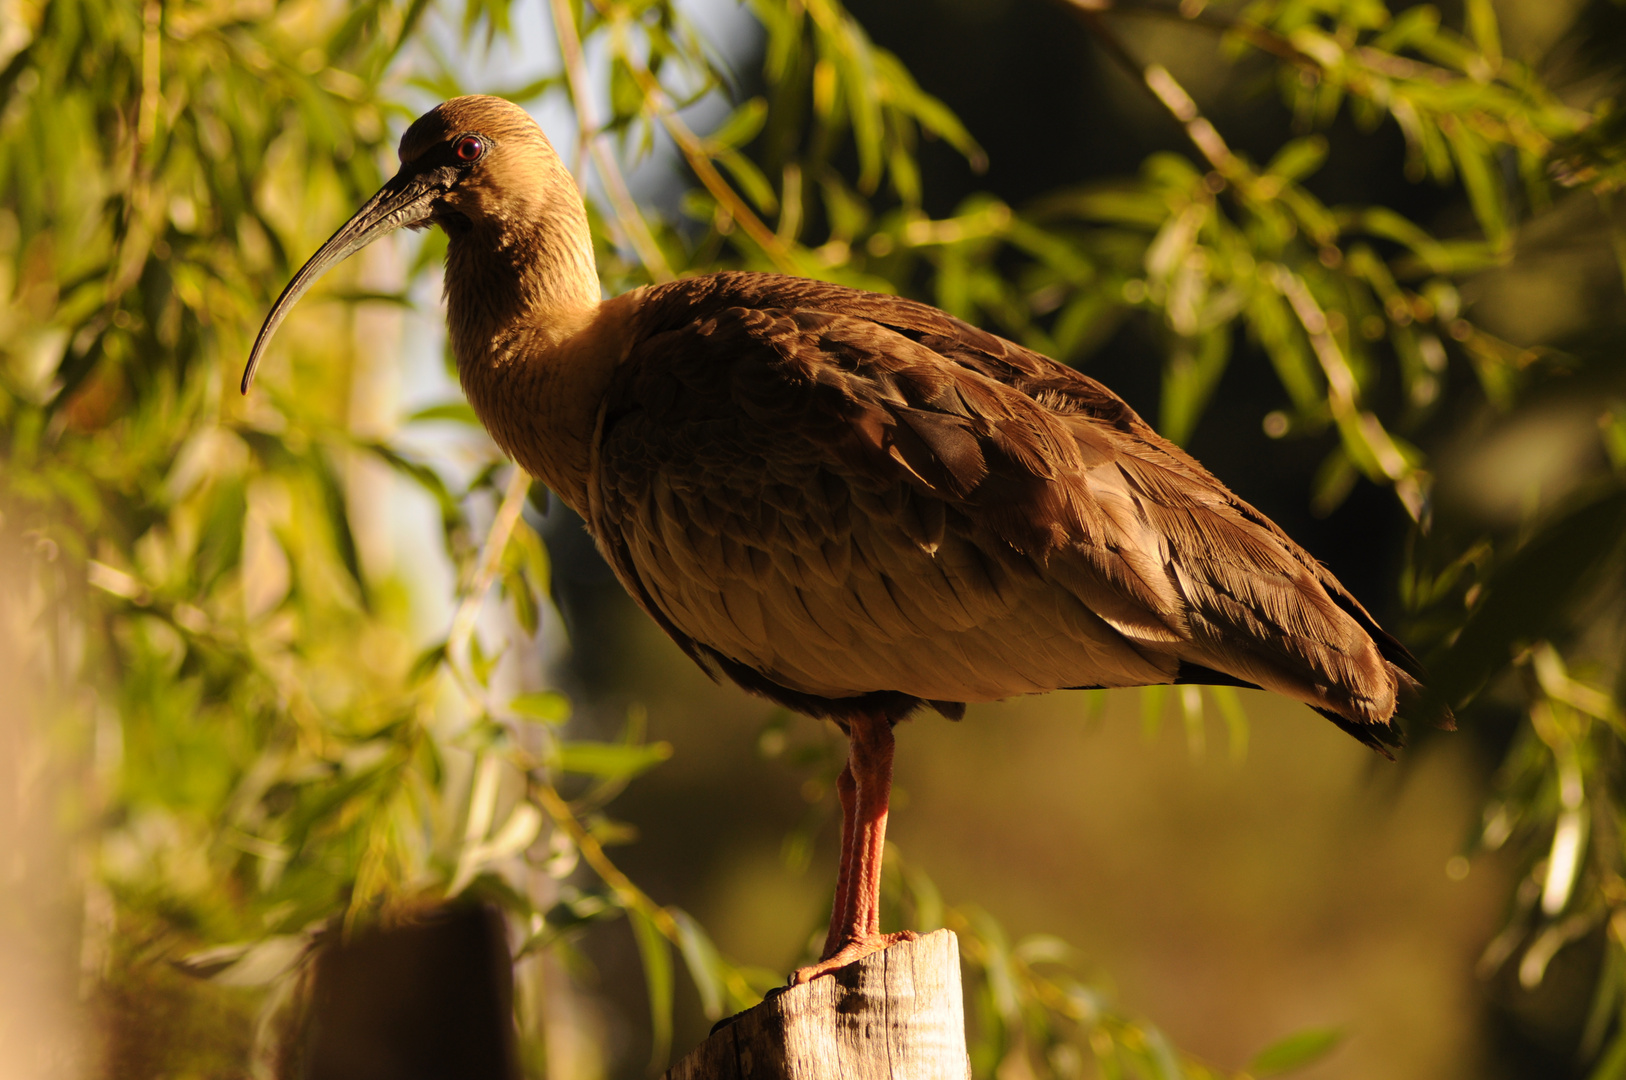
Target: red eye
470, 147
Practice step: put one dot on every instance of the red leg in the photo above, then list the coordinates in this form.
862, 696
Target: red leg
847, 794
855, 922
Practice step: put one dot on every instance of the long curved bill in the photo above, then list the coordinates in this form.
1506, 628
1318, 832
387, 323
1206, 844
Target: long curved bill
405, 199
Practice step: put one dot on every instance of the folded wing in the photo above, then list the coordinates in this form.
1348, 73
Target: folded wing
830, 495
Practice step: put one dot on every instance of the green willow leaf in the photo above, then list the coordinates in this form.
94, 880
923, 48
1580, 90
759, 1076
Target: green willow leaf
1299, 158
611, 760
742, 125
701, 958
457, 411
545, 705
657, 960
1151, 709
338, 515
1295, 1051
1480, 174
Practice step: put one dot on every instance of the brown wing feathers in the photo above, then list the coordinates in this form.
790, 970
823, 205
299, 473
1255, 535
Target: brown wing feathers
1296, 597
999, 465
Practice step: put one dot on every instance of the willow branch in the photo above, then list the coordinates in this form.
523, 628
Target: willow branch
694, 151
633, 225
1169, 93
1203, 134
630, 895
1267, 40
592, 853
1343, 392
502, 529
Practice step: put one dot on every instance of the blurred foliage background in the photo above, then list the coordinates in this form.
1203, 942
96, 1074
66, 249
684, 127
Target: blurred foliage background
286, 670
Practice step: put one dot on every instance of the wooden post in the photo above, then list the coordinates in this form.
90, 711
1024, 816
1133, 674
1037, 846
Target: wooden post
894, 1015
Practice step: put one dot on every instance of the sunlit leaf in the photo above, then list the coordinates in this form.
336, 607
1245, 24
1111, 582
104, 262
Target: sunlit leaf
700, 956
1151, 709
611, 760
1295, 1051
547, 706
657, 961
426, 662
1299, 158
458, 411
742, 124
1235, 717
1475, 164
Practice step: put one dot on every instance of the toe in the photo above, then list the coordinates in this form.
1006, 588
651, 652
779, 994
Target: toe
850, 953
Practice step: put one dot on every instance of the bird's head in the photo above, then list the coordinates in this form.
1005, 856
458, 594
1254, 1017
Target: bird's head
469, 163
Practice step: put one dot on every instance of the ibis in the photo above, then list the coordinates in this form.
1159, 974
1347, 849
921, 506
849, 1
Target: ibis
850, 503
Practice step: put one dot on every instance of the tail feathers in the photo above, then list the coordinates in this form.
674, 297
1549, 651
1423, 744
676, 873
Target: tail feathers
1414, 703
1382, 737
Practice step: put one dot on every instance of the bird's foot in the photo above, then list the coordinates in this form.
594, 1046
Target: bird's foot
850, 953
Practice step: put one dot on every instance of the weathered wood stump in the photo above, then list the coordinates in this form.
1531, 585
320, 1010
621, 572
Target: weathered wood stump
895, 1015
